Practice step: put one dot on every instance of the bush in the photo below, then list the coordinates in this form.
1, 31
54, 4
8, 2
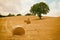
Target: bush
10, 15
18, 14
2, 16
28, 14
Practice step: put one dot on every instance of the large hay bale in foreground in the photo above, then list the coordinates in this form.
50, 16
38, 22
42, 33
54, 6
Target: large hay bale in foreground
18, 31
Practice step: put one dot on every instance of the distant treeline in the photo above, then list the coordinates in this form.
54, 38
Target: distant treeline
9, 15
6, 15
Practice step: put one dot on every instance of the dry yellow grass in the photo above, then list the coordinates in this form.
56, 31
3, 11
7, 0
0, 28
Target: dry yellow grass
46, 29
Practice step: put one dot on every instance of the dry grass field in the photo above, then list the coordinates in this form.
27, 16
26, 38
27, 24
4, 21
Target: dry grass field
48, 28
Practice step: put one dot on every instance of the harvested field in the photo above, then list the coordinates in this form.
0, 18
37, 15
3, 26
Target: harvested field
48, 28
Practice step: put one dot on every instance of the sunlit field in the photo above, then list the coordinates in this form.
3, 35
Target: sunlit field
48, 28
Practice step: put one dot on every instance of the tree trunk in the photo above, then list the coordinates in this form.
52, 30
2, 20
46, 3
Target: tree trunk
40, 16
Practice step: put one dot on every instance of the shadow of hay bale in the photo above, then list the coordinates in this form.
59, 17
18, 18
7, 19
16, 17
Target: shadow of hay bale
18, 31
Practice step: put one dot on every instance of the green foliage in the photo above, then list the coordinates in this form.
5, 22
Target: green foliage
7, 15
18, 14
28, 14
10, 15
39, 8
2, 16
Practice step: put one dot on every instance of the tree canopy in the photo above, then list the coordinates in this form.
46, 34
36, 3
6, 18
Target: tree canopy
39, 8
28, 14
18, 14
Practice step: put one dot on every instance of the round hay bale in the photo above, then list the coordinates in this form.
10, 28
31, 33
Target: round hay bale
27, 21
18, 31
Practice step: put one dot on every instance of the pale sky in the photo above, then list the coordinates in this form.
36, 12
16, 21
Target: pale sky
23, 6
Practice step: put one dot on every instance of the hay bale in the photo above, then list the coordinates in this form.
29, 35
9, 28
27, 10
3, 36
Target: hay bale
19, 31
27, 21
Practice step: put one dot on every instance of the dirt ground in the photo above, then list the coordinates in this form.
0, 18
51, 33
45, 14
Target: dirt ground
48, 28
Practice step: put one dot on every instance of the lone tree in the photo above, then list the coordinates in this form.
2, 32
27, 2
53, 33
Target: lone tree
39, 8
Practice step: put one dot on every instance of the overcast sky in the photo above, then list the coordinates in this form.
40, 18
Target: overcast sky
23, 6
